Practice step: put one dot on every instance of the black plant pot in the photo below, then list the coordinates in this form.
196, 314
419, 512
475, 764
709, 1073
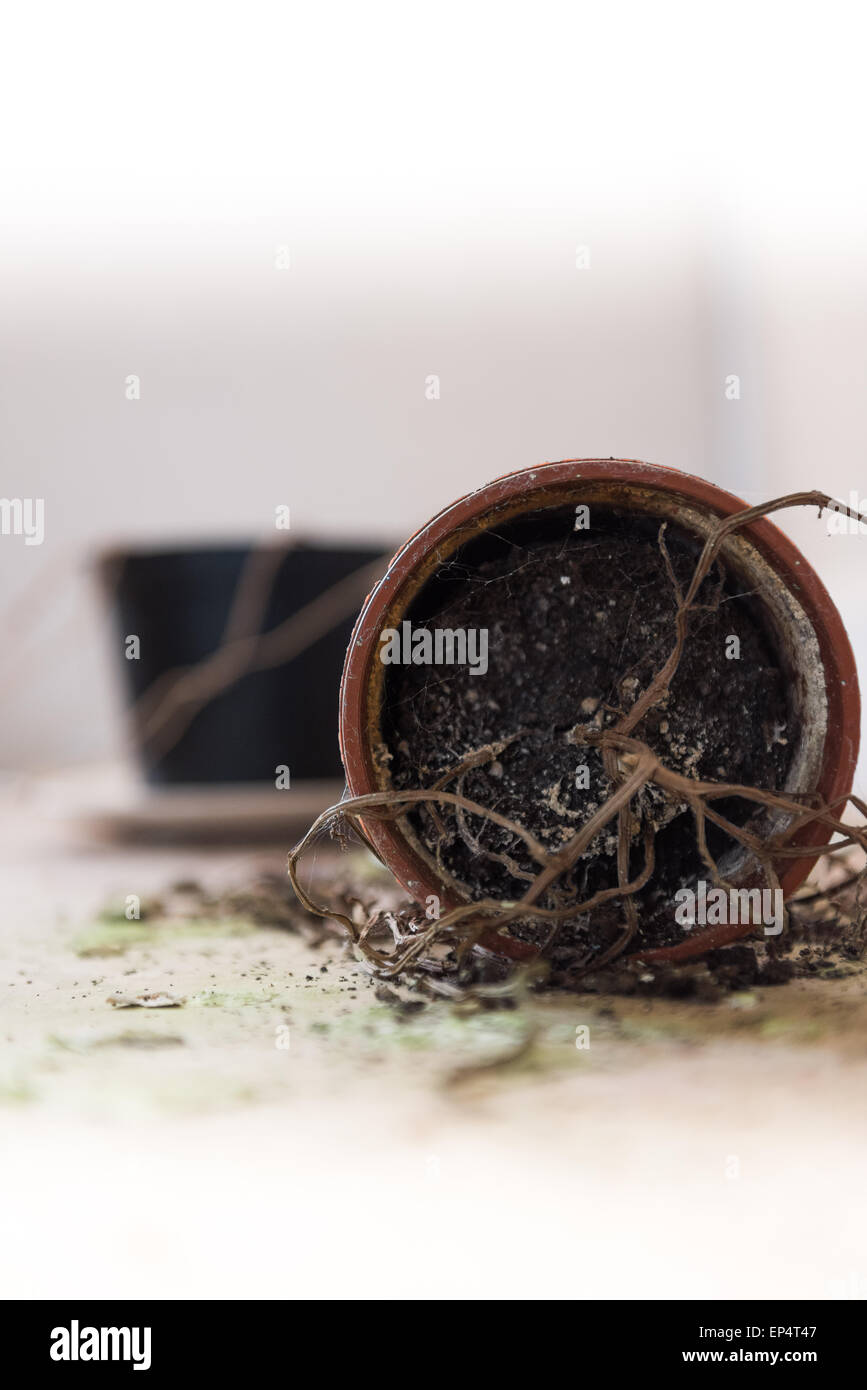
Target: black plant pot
177, 603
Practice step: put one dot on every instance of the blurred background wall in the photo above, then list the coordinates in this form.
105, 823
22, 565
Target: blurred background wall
284, 221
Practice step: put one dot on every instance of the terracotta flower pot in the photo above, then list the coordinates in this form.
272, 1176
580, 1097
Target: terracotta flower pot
809, 637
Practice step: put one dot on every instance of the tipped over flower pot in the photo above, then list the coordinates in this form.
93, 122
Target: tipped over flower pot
591, 714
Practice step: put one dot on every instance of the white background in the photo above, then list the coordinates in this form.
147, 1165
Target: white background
432, 170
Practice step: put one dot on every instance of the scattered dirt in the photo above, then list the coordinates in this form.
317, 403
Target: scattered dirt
153, 999
826, 940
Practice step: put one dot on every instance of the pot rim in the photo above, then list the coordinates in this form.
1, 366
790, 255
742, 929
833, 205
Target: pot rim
840, 753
